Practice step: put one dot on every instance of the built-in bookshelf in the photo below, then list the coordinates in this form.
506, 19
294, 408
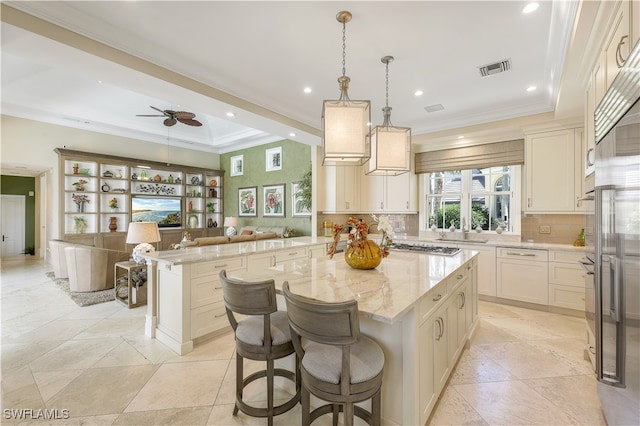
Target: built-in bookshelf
101, 194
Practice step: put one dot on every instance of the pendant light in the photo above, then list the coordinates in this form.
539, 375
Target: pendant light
345, 132
390, 145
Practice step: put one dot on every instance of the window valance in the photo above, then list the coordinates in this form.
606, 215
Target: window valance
471, 157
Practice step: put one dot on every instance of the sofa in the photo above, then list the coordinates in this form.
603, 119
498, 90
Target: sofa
247, 233
87, 268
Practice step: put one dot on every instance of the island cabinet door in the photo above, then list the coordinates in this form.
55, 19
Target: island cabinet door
442, 332
427, 333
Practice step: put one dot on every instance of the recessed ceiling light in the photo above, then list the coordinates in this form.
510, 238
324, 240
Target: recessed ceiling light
231, 114
292, 135
531, 88
461, 137
418, 93
100, 81
307, 90
530, 7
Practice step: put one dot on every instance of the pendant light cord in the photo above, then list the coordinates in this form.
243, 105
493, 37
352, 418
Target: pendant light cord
344, 48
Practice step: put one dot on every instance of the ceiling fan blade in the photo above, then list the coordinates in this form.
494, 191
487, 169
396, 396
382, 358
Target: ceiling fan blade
170, 122
190, 122
184, 115
158, 109
149, 115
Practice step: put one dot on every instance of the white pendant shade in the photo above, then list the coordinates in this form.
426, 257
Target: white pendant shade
344, 125
390, 151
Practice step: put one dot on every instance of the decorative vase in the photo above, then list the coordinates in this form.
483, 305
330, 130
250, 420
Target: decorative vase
215, 224
113, 223
499, 230
80, 207
478, 228
367, 257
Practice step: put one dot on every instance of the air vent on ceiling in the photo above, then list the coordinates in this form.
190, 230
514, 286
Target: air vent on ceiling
434, 108
495, 68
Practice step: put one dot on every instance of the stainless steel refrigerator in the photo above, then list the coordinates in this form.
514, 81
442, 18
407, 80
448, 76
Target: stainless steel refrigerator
617, 246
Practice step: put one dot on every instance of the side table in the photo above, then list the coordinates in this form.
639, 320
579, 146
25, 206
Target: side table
130, 284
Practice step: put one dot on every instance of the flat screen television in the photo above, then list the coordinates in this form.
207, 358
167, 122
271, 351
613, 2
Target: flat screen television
165, 211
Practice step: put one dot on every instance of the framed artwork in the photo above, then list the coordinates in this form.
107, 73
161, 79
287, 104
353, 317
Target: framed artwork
237, 165
273, 200
274, 159
248, 201
298, 208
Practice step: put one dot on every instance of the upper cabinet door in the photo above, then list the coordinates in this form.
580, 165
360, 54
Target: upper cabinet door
550, 172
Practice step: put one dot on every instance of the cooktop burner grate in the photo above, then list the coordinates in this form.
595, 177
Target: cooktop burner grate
430, 249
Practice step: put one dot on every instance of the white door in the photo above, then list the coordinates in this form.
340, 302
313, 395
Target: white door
12, 218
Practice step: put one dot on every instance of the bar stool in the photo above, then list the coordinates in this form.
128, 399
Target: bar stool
264, 335
338, 364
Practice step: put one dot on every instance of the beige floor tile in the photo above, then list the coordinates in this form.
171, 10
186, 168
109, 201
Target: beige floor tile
54, 330
221, 347
486, 333
575, 395
475, 366
121, 355
17, 355
173, 416
175, 385
99, 391
526, 361
152, 349
75, 354
113, 327
51, 382
512, 403
452, 409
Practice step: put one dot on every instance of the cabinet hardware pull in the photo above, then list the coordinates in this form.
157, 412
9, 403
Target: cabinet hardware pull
512, 253
589, 158
442, 328
220, 315
620, 60
407, 205
293, 253
460, 276
529, 202
220, 266
592, 350
438, 297
217, 288
381, 204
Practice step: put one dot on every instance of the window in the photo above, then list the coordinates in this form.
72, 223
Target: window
486, 196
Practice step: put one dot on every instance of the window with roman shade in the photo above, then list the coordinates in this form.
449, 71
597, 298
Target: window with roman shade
507, 153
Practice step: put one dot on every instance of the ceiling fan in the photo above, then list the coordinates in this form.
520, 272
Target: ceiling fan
173, 117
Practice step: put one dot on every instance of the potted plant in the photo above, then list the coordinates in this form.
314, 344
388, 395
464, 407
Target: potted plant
79, 224
304, 191
211, 207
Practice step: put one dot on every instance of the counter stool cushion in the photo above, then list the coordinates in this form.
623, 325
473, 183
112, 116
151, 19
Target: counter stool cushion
325, 361
251, 329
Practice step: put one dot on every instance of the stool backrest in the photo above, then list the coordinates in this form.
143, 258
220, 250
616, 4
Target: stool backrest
327, 323
248, 298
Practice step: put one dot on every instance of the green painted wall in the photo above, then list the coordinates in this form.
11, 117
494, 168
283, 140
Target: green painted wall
296, 160
17, 185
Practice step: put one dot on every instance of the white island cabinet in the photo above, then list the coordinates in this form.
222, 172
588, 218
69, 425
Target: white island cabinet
421, 309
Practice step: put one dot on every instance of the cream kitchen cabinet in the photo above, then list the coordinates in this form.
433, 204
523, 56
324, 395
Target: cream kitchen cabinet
554, 171
619, 41
566, 280
522, 275
389, 194
341, 189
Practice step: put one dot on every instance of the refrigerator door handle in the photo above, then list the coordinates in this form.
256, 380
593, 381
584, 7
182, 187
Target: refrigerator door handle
614, 271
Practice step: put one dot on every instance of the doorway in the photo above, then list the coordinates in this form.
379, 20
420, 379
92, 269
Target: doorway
12, 224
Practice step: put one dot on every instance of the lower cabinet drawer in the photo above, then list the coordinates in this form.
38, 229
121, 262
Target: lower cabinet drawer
205, 290
297, 253
431, 301
566, 297
207, 319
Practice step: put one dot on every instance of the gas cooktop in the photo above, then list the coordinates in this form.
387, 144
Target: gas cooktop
425, 248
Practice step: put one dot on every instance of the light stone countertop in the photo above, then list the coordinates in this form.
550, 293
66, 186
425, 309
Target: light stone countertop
494, 243
221, 251
385, 293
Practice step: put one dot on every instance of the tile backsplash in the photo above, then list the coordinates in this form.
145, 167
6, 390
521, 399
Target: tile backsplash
403, 224
563, 228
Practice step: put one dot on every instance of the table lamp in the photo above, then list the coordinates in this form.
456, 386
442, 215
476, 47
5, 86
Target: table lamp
231, 222
142, 233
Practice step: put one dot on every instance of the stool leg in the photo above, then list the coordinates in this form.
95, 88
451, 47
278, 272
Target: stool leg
348, 414
305, 399
376, 411
335, 409
270, 374
239, 378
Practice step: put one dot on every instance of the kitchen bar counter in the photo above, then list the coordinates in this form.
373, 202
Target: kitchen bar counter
421, 308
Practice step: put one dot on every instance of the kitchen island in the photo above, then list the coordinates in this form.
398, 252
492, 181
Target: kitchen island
421, 308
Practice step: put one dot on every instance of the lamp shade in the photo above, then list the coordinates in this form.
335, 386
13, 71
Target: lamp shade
390, 151
143, 232
230, 221
345, 132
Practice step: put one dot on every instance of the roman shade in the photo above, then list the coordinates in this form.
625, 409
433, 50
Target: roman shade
471, 157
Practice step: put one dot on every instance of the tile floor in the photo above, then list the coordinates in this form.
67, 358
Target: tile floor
524, 367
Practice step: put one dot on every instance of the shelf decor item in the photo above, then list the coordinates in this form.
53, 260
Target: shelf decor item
113, 224
113, 203
79, 185
76, 168
80, 201
79, 224
361, 252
